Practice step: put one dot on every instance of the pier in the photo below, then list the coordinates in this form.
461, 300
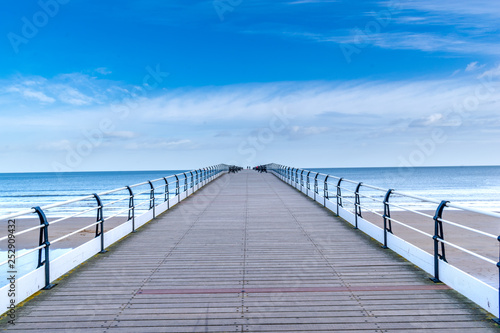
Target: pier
249, 253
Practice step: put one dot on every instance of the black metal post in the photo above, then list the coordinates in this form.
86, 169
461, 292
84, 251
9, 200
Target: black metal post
44, 240
339, 195
177, 186
308, 184
152, 204
325, 191
301, 180
167, 193
387, 217
191, 183
316, 187
131, 208
100, 220
185, 183
438, 234
357, 206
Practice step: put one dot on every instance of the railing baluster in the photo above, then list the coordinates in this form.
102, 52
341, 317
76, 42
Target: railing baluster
44, 240
316, 187
131, 208
152, 198
100, 220
325, 191
357, 206
177, 186
167, 192
387, 217
438, 234
185, 183
308, 184
339, 195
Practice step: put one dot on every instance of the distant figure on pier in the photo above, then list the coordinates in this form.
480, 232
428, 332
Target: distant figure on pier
234, 169
261, 168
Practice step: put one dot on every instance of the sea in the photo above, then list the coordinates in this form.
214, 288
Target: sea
471, 186
20, 191
475, 187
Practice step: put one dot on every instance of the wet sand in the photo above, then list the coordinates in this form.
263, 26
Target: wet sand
480, 244
30, 239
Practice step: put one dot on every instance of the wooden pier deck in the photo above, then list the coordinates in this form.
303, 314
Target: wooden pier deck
248, 253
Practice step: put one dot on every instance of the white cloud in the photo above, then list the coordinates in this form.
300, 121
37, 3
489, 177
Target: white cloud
472, 66
60, 145
461, 7
491, 73
426, 42
300, 132
122, 135
30, 94
72, 96
37, 95
159, 145
374, 112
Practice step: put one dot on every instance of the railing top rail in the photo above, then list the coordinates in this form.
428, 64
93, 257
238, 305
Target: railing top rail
423, 199
82, 198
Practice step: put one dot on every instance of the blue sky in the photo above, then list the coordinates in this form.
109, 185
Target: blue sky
145, 85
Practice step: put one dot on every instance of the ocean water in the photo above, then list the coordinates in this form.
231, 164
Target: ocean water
475, 187
20, 191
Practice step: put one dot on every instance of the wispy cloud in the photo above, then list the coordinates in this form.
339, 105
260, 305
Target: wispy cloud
73, 89
30, 94
208, 118
160, 145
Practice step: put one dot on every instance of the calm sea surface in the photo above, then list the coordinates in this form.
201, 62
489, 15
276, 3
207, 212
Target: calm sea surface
20, 191
477, 187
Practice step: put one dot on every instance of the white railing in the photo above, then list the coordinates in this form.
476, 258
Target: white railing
351, 200
137, 204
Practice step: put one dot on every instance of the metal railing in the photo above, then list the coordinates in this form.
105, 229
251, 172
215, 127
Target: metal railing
351, 199
125, 202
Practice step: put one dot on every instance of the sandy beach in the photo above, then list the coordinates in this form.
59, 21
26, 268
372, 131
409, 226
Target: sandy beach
480, 244
30, 239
